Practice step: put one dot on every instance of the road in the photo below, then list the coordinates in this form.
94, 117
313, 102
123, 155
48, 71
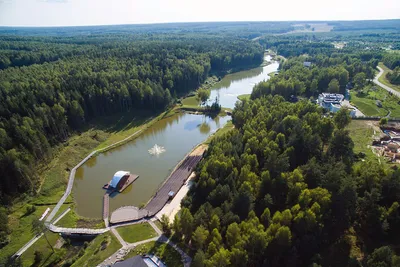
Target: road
387, 88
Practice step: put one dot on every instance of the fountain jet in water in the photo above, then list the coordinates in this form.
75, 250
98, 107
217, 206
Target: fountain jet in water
156, 150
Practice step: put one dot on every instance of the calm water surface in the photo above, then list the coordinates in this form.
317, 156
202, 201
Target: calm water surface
239, 83
177, 134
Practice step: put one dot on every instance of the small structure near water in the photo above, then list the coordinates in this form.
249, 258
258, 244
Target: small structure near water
120, 181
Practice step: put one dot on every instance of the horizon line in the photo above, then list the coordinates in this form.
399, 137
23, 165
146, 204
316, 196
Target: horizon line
189, 22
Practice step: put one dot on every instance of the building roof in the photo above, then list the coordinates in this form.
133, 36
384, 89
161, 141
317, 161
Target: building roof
136, 261
307, 64
141, 261
332, 98
117, 177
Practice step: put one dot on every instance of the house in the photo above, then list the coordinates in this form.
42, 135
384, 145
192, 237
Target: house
326, 100
333, 103
307, 64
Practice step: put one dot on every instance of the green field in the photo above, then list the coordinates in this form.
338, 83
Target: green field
136, 232
366, 102
190, 102
362, 132
164, 251
385, 81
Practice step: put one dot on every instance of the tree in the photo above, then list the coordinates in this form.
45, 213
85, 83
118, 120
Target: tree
333, 86
199, 259
199, 237
359, 80
284, 236
187, 224
342, 118
383, 121
38, 227
203, 95
381, 257
176, 226
214, 223
233, 235
165, 225
38, 257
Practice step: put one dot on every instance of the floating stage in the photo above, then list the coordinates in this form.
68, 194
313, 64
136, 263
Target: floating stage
120, 181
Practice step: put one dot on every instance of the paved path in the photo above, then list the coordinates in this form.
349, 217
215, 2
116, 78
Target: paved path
119, 237
28, 245
387, 88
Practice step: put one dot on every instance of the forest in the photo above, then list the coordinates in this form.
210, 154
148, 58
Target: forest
284, 188
51, 87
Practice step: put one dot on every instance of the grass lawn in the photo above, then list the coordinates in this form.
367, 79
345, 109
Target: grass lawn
41, 246
366, 100
164, 251
190, 101
71, 220
136, 232
362, 132
102, 247
385, 81
244, 97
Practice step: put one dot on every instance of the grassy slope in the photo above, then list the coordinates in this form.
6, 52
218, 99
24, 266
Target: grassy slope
228, 126
366, 102
165, 252
94, 254
244, 97
385, 81
136, 232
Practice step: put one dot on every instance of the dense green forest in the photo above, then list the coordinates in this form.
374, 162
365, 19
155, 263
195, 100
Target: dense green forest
281, 189
327, 73
65, 82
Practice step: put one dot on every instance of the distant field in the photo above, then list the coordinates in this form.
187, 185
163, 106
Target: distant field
311, 27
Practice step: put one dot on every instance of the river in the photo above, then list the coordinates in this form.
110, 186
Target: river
178, 134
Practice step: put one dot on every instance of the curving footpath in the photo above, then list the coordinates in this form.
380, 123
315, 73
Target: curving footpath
387, 88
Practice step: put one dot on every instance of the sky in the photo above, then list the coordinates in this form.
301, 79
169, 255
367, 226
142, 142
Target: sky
105, 12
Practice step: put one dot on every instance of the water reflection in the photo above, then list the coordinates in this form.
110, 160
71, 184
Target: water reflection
205, 128
178, 134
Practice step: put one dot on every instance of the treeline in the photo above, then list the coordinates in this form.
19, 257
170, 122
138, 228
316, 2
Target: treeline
391, 60
40, 105
282, 189
394, 76
326, 74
